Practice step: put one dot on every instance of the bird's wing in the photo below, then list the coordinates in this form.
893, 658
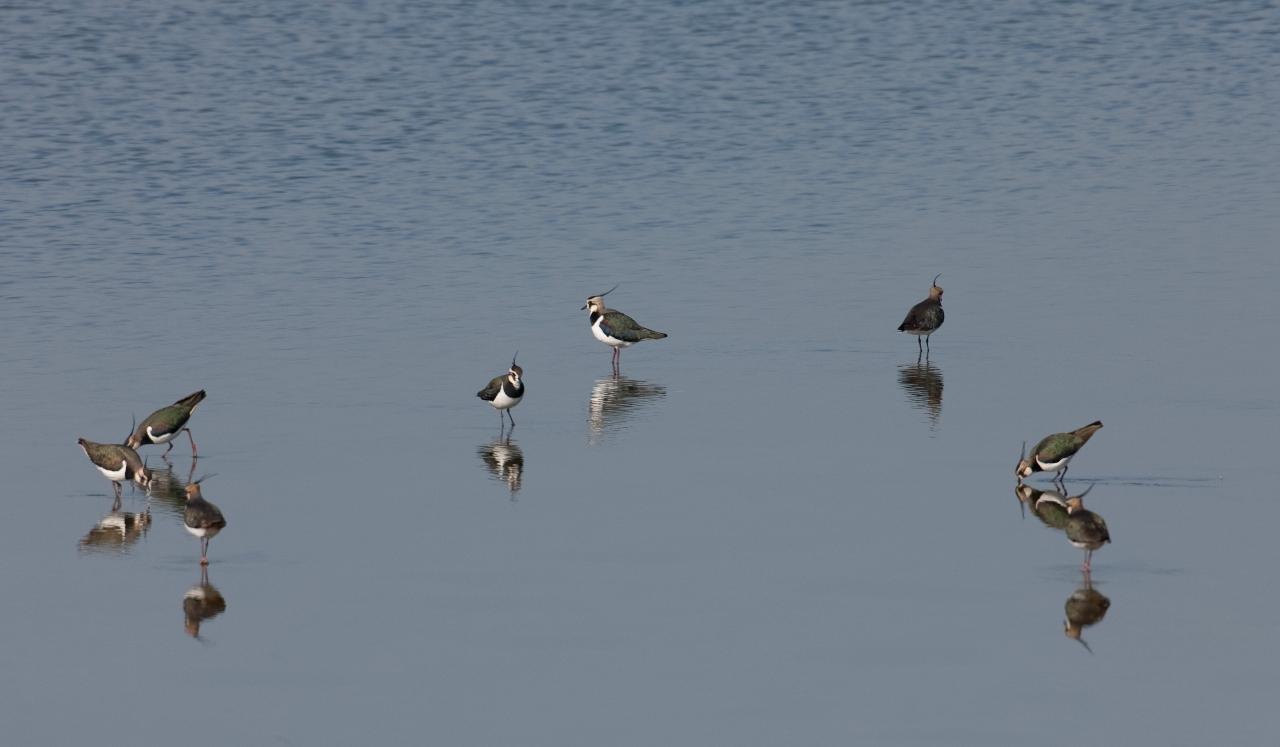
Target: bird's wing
490, 392
1057, 447
619, 326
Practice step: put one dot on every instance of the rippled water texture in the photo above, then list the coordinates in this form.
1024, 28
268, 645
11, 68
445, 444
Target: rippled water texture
777, 526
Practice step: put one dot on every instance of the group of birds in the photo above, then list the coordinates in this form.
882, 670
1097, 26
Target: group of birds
120, 463
1085, 529
610, 326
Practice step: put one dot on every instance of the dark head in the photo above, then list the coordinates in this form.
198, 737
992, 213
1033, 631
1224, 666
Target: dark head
596, 302
935, 292
515, 373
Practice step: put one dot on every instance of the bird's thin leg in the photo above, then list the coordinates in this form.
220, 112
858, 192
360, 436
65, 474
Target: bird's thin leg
115, 504
1088, 555
919, 344
204, 551
513, 420
189, 438
926, 341
166, 451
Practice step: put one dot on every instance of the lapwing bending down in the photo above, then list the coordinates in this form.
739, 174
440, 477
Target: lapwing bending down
925, 317
506, 391
202, 518
163, 425
616, 329
1054, 452
117, 463
1085, 529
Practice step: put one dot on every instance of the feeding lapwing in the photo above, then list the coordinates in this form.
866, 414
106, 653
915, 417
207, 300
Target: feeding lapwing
117, 463
163, 425
1055, 451
1085, 529
506, 391
202, 518
616, 329
1086, 606
925, 317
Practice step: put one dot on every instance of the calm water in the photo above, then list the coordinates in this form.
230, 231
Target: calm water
776, 527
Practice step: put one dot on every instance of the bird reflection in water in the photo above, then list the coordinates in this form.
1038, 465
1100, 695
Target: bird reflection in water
615, 400
1086, 606
116, 532
504, 460
1049, 506
922, 381
168, 490
201, 602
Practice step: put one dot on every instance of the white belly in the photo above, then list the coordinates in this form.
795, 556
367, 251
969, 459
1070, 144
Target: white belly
161, 439
1053, 466
114, 475
607, 340
203, 531
505, 402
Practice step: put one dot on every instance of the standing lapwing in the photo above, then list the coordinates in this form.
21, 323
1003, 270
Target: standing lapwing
925, 317
202, 518
616, 329
1085, 529
506, 391
163, 425
1054, 452
117, 463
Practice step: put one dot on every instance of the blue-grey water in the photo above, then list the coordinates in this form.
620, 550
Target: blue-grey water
775, 527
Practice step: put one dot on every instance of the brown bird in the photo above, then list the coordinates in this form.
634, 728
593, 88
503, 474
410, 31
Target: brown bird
925, 317
202, 518
117, 463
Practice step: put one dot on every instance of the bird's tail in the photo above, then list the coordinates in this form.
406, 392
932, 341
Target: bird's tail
1087, 431
193, 399
649, 334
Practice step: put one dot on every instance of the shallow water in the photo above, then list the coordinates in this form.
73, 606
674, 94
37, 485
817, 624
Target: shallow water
777, 526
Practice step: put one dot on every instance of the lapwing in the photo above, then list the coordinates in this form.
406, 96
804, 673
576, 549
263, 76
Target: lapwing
1054, 452
201, 602
163, 425
1086, 606
202, 518
117, 463
506, 391
925, 317
616, 329
1085, 529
